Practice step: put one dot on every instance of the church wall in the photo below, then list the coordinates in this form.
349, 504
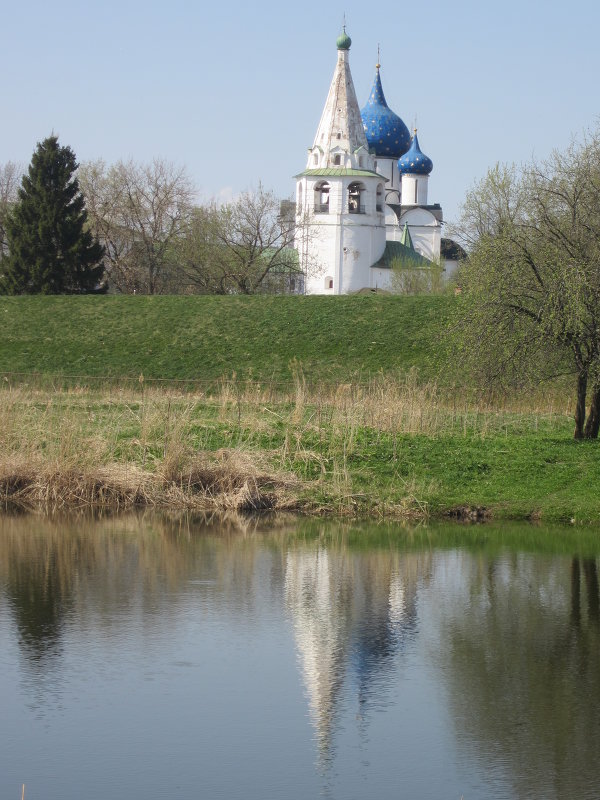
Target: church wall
418, 217
427, 242
409, 184
388, 167
362, 245
425, 232
380, 278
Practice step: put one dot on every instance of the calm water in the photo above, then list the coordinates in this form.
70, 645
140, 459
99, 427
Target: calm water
142, 658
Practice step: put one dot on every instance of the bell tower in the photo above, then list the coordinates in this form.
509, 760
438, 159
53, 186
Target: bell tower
340, 201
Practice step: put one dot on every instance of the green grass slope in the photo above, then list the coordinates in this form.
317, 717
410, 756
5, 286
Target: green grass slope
204, 338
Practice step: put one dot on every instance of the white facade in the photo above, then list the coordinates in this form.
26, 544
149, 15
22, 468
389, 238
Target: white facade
388, 167
414, 189
425, 226
344, 232
351, 201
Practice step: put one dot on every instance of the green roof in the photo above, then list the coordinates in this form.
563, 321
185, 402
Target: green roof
406, 238
287, 260
397, 254
340, 172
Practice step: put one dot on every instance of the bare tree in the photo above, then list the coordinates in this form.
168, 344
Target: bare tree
10, 179
138, 211
243, 247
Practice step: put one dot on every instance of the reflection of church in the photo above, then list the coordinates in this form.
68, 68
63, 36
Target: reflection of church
351, 615
361, 202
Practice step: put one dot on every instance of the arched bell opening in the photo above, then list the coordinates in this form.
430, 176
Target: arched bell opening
355, 198
321, 198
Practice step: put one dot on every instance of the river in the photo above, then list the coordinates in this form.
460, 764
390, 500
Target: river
147, 657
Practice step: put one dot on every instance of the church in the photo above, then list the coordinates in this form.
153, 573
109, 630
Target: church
362, 201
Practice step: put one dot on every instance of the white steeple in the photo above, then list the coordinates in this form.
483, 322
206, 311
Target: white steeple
341, 128
340, 196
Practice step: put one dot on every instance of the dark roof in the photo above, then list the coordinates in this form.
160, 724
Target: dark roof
452, 250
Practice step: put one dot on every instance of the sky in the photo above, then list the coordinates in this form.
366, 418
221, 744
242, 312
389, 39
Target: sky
233, 91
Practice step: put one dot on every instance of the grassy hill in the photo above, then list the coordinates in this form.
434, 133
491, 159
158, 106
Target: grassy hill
204, 338
392, 448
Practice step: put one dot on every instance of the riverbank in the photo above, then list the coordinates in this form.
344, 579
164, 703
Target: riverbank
385, 449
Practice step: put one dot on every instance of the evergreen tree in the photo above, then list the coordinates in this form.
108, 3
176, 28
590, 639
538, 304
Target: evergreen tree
51, 249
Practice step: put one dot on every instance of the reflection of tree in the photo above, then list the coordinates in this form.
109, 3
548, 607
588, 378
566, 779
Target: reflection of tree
52, 572
524, 671
39, 596
590, 571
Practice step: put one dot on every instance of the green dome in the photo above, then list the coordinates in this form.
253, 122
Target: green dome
343, 41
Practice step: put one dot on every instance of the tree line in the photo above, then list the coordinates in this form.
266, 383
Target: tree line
136, 228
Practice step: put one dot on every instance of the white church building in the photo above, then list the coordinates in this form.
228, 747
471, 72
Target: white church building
361, 202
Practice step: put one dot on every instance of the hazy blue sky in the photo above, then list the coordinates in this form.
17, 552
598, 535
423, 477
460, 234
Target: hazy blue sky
234, 91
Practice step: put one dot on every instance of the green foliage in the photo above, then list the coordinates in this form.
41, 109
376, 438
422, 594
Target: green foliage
409, 278
331, 338
531, 285
51, 251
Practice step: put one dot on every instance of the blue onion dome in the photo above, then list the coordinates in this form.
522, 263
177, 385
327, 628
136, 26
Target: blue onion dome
386, 134
343, 41
415, 162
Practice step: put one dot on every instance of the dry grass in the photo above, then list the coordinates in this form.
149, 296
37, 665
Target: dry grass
227, 480
240, 450
408, 406
224, 482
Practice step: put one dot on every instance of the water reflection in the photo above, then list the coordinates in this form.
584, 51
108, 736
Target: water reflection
469, 669
521, 644
352, 614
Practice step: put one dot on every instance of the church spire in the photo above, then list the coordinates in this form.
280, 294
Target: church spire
340, 129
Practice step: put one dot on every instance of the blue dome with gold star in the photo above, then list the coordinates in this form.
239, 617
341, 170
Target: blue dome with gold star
386, 134
414, 162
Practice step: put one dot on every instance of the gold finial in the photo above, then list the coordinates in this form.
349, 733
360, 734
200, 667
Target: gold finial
377, 65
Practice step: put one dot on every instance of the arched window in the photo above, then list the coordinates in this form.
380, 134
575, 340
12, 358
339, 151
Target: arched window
328, 282
337, 160
315, 158
416, 194
321, 198
379, 201
355, 191
361, 161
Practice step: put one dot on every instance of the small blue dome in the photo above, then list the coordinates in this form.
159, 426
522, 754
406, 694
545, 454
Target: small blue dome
414, 162
386, 134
